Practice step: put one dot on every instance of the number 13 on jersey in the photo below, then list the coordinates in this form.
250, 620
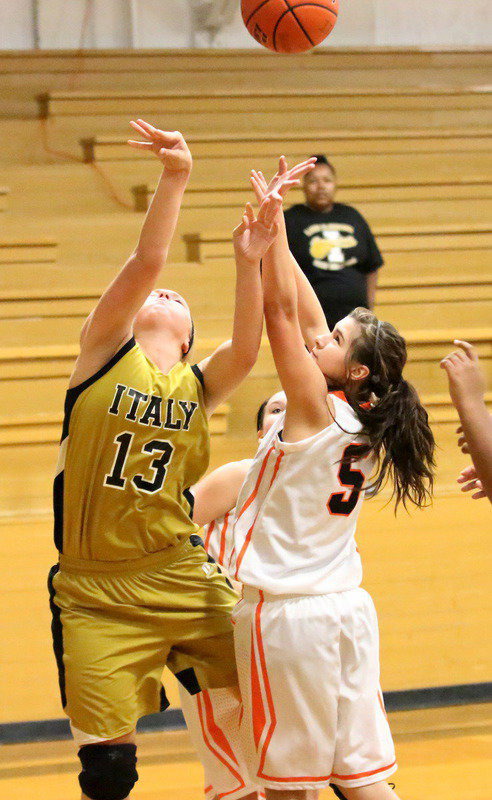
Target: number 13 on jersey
123, 442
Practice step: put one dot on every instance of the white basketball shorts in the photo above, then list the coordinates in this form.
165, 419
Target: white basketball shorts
309, 677
212, 718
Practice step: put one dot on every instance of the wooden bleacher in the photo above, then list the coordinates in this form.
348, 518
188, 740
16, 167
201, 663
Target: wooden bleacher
78, 113
293, 145
412, 147
30, 251
23, 75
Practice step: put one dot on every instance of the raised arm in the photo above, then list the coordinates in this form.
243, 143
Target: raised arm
311, 316
110, 324
467, 390
224, 370
309, 409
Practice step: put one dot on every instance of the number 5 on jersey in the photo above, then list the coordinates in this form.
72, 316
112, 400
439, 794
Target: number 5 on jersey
338, 504
159, 465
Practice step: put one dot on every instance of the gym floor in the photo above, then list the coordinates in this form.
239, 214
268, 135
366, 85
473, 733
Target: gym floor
443, 754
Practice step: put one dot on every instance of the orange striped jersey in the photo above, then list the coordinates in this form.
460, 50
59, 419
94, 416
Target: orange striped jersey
297, 510
134, 440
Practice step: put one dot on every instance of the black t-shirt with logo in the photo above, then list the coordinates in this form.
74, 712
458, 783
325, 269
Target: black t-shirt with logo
336, 250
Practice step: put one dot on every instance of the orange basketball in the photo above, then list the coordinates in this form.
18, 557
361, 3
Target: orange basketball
289, 26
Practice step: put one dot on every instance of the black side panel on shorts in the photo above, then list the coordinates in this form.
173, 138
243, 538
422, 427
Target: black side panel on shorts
164, 701
57, 634
187, 678
58, 510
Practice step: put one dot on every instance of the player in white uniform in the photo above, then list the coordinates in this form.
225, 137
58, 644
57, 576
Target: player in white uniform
306, 634
216, 494
226, 773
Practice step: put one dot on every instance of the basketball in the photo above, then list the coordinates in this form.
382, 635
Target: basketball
289, 26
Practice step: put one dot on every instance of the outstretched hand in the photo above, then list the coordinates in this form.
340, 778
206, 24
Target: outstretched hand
465, 377
169, 146
470, 483
283, 180
254, 235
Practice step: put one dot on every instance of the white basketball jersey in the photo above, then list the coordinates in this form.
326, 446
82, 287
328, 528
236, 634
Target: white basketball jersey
297, 510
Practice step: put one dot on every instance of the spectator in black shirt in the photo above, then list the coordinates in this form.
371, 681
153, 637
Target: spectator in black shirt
333, 245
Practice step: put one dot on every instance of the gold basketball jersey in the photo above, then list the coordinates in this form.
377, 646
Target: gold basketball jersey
134, 440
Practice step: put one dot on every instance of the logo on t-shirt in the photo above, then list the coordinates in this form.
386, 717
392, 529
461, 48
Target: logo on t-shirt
327, 243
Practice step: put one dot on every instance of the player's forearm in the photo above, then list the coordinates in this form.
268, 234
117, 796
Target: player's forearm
477, 428
161, 219
279, 282
311, 315
248, 314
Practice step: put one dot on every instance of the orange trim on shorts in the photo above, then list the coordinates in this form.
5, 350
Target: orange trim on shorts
363, 774
217, 733
250, 532
219, 738
306, 778
259, 718
268, 691
209, 534
258, 703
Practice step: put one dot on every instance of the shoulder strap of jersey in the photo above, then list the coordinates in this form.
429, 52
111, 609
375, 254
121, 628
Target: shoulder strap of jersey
75, 391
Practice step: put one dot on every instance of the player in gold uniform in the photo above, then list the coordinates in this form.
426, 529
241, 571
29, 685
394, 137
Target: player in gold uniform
134, 590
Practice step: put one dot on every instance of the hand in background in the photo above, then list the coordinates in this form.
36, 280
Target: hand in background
466, 381
169, 146
283, 180
470, 482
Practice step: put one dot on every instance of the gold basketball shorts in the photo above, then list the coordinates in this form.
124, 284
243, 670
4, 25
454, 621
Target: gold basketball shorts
116, 625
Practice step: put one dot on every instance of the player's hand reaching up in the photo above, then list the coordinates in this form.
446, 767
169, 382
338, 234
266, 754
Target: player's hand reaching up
254, 235
466, 381
169, 146
283, 180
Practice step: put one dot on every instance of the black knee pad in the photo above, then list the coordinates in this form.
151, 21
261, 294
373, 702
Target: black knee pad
337, 792
108, 770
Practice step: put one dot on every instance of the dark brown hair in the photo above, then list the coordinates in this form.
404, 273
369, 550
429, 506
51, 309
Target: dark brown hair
260, 415
391, 413
322, 159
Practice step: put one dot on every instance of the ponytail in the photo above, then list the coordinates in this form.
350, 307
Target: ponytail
393, 418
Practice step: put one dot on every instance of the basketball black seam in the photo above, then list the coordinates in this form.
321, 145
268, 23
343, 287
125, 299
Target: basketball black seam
306, 34
256, 9
316, 5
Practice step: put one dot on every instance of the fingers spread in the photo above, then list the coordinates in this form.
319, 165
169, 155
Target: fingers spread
143, 131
